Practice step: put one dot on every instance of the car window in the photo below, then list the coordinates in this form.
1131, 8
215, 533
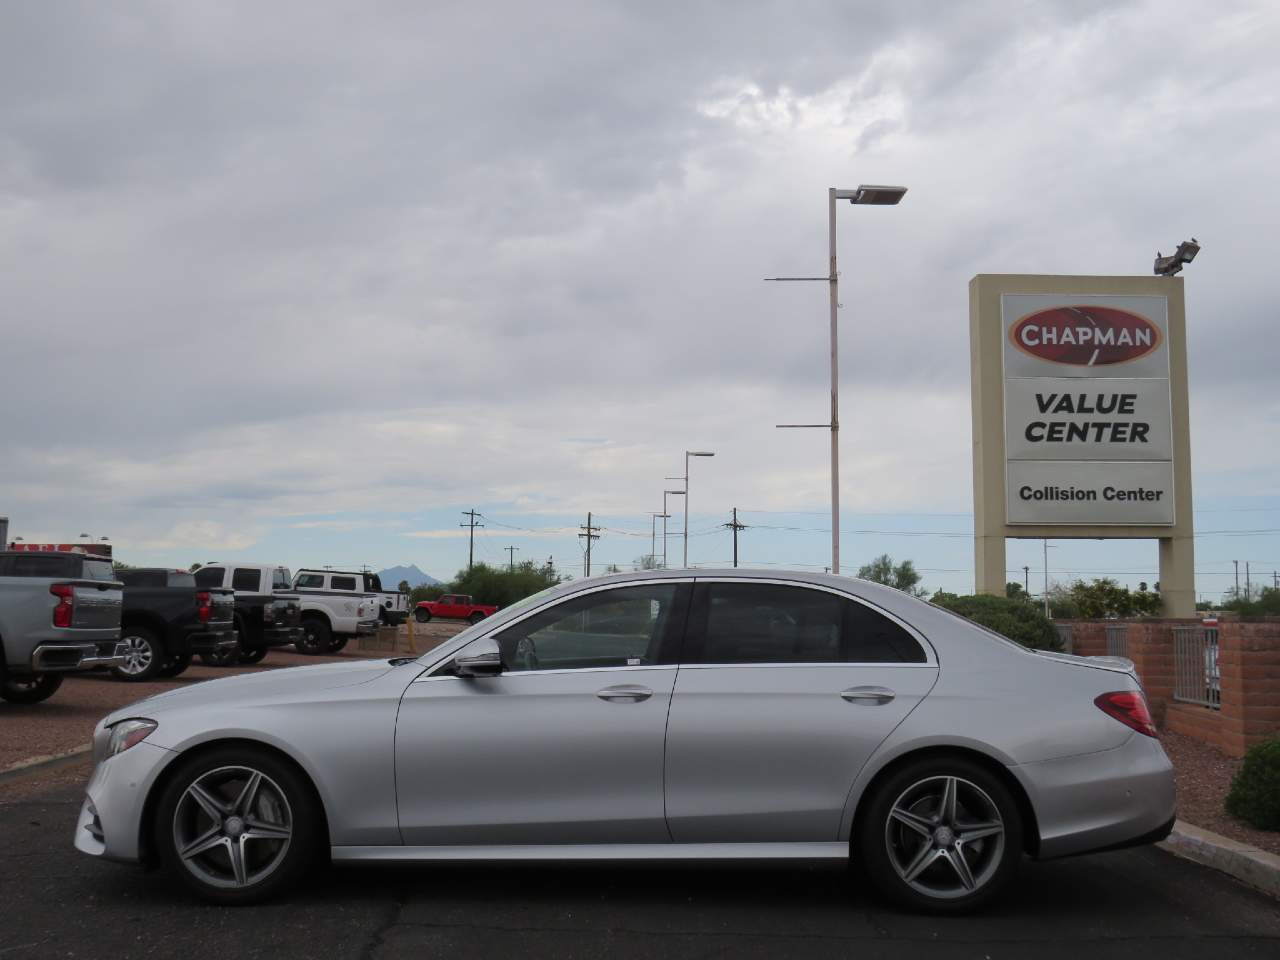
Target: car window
178, 578
280, 579
373, 582
144, 578
37, 565
209, 577
771, 623
310, 581
342, 583
98, 570
610, 628
243, 578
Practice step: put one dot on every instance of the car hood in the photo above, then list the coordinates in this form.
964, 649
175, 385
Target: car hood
287, 685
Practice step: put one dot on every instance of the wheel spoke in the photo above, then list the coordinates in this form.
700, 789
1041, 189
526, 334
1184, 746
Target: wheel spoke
947, 808
919, 824
237, 861
260, 830
210, 804
923, 859
244, 802
206, 841
968, 832
960, 865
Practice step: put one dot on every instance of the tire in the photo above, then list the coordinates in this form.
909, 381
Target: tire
30, 688
276, 831
253, 656
145, 656
176, 666
223, 658
338, 642
475, 617
956, 861
316, 637
422, 615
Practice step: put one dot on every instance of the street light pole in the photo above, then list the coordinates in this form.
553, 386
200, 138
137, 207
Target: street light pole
687, 455
665, 515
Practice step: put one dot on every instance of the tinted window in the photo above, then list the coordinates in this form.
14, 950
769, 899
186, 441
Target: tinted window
36, 565
179, 579
209, 577
98, 570
373, 582
767, 623
142, 578
243, 579
310, 581
611, 628
343, 583
280, 579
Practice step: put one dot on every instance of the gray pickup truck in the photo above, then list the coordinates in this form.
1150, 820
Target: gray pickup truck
58, 612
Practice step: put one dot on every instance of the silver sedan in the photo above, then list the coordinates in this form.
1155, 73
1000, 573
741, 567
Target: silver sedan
670, 715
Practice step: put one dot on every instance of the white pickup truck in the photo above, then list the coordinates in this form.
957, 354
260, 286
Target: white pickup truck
335, 608
393, 605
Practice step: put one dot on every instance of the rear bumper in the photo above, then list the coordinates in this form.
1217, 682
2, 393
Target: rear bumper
396, 617
1101, 801
212, 641
367, 628
280, 636
58, 657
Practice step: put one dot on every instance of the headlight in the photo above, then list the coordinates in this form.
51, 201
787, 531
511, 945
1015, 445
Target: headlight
128, 733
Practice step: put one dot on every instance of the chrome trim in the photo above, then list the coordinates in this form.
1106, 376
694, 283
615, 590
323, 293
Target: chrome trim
542, 673
813, 850
89, 657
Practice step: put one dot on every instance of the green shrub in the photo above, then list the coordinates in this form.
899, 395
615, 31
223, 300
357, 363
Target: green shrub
1018, 620
1255, 790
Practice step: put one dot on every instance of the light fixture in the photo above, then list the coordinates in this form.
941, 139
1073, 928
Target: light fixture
873, 195
1172, 264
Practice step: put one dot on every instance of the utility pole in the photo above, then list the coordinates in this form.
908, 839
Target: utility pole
665, 515
1026, 580
511, 559
472, 522
1237, 564
589, 534
1046, 578
735, 526
1248, 583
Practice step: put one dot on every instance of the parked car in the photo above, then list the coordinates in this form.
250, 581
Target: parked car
166, 620
58, 612
333, 611
453, 606
268, 614
739, 715
392, 605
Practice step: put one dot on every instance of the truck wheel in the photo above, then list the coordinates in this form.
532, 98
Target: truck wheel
316, 637
143, 656
337, 643
222, 658
475, 617
253, 656
30, 689
422, 615
176, 666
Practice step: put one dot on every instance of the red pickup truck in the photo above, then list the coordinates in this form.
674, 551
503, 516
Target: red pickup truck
453, 606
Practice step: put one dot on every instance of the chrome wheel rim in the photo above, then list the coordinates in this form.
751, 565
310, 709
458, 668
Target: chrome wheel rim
138, 656
232, 827
945, 837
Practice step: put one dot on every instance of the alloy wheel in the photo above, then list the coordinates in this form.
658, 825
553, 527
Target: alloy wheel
138, 656
232, 827
945, 837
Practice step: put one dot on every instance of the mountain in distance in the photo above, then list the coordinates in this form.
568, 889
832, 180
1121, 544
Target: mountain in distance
392, 576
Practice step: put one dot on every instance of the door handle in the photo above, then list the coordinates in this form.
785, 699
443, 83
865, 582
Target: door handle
870, 695
625, 693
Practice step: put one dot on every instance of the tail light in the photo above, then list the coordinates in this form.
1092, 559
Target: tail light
204, 606
65, 609
1130, 708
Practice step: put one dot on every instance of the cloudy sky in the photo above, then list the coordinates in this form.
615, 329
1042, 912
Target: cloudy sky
300, 282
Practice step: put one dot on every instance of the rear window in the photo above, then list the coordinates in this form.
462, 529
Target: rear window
98, 570
245, 579
142, 578
179, 579
209, 576
36, 565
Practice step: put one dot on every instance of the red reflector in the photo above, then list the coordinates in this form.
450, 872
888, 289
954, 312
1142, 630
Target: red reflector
204, 607
65, 610
1130, 708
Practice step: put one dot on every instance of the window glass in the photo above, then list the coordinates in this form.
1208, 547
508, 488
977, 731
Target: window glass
342, 583
280, 579
98, 570
373, 582
871, 637
245, 579
765, 623
209, 577
37, 565
144, 578
610, 628
179, 579
310, 581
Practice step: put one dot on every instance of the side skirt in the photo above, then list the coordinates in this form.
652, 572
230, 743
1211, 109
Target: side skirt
597, 851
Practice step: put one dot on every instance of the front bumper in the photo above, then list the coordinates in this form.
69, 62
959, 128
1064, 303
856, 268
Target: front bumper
1101, 801
367, 628
57, 657
110, 821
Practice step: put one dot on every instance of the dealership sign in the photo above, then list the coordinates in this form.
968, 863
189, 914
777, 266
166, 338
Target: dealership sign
1088, 433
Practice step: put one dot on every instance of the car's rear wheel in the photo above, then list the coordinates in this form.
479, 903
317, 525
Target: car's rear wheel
941, 834
237, 825
175, 666
31, 688
253, 656
144, 657
421, 615
222, 658
475, 617
316, 637
338, 642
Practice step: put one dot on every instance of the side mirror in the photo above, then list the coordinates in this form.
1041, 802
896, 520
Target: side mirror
485, 660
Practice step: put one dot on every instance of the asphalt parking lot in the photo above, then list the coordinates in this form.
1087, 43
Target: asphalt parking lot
1133, 903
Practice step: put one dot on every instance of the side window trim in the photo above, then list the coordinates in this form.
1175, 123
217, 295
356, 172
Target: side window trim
696, 633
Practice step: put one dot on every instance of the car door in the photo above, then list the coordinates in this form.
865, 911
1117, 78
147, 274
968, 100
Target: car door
565, 746
783, 693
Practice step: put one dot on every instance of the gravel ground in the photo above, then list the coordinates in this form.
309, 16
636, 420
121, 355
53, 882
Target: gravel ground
66, 720
1203, 776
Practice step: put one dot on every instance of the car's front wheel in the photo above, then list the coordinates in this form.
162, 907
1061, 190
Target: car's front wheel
32, 688
237, 825
941, 834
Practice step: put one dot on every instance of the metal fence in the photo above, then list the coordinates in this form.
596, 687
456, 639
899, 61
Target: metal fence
1196, 678
1118, 640
1064, 636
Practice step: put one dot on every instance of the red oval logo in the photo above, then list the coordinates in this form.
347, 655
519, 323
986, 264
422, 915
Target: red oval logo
1085, 336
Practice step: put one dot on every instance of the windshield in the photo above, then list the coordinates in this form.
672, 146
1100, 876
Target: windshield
477, 629
280, 579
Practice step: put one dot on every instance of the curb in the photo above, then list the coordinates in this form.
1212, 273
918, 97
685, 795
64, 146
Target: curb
1242, 861
36, 764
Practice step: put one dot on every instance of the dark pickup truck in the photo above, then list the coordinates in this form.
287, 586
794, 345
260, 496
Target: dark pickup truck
166, 620
267, 613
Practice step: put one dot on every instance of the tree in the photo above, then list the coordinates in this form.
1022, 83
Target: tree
1016, 619
502, 587
1102, 598
1013, 590
404, 586
646, 562
194, 567
902, 577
